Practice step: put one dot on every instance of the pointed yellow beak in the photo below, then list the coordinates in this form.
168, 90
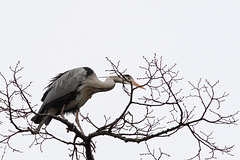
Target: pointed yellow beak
136, 84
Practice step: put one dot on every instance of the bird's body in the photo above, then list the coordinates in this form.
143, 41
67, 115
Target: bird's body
69, 91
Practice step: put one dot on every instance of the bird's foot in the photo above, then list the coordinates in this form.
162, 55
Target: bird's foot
63, 117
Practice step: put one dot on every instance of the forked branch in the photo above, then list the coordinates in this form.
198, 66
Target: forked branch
162, 111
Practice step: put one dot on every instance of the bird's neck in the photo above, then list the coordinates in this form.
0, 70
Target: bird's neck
107, 85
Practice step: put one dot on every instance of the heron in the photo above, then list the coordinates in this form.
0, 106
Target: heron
69, 91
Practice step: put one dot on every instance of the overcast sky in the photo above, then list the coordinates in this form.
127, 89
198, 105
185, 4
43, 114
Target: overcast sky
51, 36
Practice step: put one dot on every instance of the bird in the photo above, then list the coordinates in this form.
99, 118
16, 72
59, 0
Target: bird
69, 91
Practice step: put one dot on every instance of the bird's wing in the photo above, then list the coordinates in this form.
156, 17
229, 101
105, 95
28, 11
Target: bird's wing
63, 85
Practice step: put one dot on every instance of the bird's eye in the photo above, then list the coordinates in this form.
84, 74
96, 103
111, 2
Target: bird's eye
128, 77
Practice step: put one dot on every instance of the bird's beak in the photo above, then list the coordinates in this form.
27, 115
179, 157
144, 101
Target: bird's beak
136, 84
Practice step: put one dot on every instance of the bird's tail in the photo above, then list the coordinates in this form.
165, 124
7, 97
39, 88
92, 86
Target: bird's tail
39, 118
44, 116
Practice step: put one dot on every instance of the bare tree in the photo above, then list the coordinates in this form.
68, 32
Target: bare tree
164, 94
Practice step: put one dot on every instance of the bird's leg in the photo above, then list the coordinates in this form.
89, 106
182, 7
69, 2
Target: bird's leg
77, 121
62, 112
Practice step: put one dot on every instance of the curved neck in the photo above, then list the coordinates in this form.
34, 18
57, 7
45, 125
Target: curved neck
107, 85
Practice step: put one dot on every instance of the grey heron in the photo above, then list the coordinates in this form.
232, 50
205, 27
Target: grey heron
69, 91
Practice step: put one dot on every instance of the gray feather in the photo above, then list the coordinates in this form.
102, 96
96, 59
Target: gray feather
60, 86
65, 84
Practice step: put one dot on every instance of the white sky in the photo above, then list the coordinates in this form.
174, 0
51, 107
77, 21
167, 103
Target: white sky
49, 37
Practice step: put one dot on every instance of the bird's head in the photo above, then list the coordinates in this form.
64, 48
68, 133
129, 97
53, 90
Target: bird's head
127, 79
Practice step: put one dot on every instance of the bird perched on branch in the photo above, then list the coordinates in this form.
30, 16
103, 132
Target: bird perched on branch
69, 91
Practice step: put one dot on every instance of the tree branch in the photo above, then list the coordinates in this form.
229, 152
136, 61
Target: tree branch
162, 113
